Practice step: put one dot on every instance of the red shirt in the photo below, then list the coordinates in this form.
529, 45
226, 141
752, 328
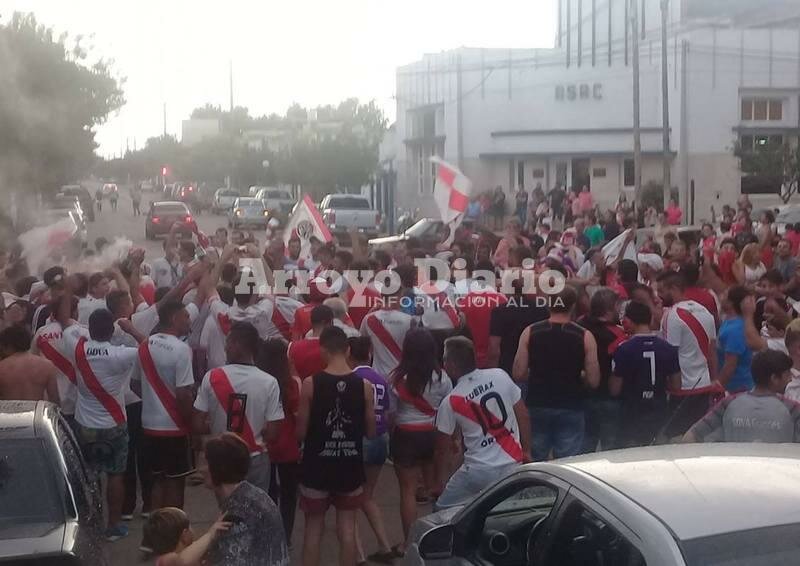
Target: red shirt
794, 238
705, 298
477, 308
284, 449
674, 214
370, 298
306, 355
302, 321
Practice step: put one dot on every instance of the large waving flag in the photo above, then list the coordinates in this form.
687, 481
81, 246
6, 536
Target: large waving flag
613, 249
305, 222
451, 192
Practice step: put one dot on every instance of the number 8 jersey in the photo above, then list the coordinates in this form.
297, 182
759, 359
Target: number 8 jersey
482, 404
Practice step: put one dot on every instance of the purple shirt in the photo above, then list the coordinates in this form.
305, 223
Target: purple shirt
381, 388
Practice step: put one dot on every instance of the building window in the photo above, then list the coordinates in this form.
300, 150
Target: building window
760, 142
629, 173
538, 173
762, 109
520, 174
599, 172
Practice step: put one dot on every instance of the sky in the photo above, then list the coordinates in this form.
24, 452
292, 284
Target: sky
312, 52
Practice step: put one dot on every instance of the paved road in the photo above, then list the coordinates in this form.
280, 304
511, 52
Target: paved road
200, 503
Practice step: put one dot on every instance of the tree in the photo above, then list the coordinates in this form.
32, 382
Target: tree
769, 163
51, 98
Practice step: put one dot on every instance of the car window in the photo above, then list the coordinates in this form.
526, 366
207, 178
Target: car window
76, 467
582, 538
532, 497
170, 209
29, 500
356, 203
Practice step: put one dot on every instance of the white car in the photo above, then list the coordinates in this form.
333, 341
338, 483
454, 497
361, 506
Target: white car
716, 504
223, 200
110, 188
248, 211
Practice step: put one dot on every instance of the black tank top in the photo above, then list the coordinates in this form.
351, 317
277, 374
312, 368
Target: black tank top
333, 453
555, 362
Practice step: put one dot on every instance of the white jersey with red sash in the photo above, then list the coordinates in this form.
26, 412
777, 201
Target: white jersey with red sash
49, 343
386, 330
439, 306
283, 314
103, 376
165, 364
212, 337
242, 399
482, 405
418, 412
689, 326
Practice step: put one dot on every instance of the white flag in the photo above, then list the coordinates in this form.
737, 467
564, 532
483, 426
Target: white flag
306, 221
451, 192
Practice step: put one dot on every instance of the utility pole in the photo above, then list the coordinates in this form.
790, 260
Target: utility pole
230, 80
460, 116
667, 175
637, 135
165, 120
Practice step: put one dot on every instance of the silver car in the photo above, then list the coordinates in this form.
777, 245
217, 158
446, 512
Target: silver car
696, 505
248, 211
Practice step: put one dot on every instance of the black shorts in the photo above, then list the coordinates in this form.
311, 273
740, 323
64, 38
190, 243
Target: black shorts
168, 456
412, 448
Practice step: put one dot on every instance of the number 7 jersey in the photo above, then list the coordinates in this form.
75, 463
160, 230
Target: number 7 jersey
482, 404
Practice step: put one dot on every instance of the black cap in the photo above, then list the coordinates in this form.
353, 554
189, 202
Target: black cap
54, 276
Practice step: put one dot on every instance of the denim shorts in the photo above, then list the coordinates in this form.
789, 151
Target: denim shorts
105, 449
376, 450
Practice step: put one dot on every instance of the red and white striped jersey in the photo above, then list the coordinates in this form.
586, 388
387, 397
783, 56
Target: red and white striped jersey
689, 326
49, 343
386, 330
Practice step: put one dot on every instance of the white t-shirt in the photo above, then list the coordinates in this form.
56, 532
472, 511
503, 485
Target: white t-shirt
439, 308
694, 365
262, 399
397, 324
212, 337
259, 315
51, 333
172, 358
86, 306
492, 394
111, 366
349, 331
146, 320
165, 274
409, 416
793, 388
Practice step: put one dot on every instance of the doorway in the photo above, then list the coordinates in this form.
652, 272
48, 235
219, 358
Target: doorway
580, 173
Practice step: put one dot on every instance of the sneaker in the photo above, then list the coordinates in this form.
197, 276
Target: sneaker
117, 532
127, 517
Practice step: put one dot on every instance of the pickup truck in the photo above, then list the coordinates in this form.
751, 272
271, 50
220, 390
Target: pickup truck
341, 212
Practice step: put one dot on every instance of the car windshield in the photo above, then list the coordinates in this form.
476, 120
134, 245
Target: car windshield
356, 203
250, 203
29, 500
170, 209
770, 546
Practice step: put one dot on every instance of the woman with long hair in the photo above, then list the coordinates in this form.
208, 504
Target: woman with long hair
284, 452
418, 385
749, 268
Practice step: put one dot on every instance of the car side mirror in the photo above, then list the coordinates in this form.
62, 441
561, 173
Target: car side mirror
437, 543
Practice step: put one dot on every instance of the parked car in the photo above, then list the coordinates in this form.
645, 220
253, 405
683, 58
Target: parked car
692, 504
146, 186
49, 217
277, 201
189, 194
790, 215
67, 202
341, 212
223, 200
428, 231
50, 503
84, 196
248, 211
163, 214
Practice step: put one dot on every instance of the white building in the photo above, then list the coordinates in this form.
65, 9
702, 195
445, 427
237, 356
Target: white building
195, 130
564, 115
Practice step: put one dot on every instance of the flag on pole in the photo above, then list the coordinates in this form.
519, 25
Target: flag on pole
305, 222
613, 251
451, 192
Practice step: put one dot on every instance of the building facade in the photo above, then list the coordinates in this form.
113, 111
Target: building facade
564, 115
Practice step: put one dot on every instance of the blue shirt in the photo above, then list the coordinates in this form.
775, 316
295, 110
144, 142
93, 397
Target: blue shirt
732, 341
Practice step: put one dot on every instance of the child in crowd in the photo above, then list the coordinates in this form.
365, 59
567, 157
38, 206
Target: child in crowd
169, 532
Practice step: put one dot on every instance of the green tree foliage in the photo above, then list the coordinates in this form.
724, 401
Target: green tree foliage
330, 148
52, 94
772, 164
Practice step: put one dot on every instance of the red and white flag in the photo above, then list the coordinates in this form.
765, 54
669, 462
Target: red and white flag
451, 191
305, 222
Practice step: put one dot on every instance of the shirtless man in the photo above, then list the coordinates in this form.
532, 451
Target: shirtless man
25, 376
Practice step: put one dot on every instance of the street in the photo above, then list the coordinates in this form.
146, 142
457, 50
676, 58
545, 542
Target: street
200, 504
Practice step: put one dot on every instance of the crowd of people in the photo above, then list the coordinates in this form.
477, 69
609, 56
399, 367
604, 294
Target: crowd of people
176, 369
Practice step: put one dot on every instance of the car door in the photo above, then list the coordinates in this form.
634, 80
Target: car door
585, 534
497, 527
